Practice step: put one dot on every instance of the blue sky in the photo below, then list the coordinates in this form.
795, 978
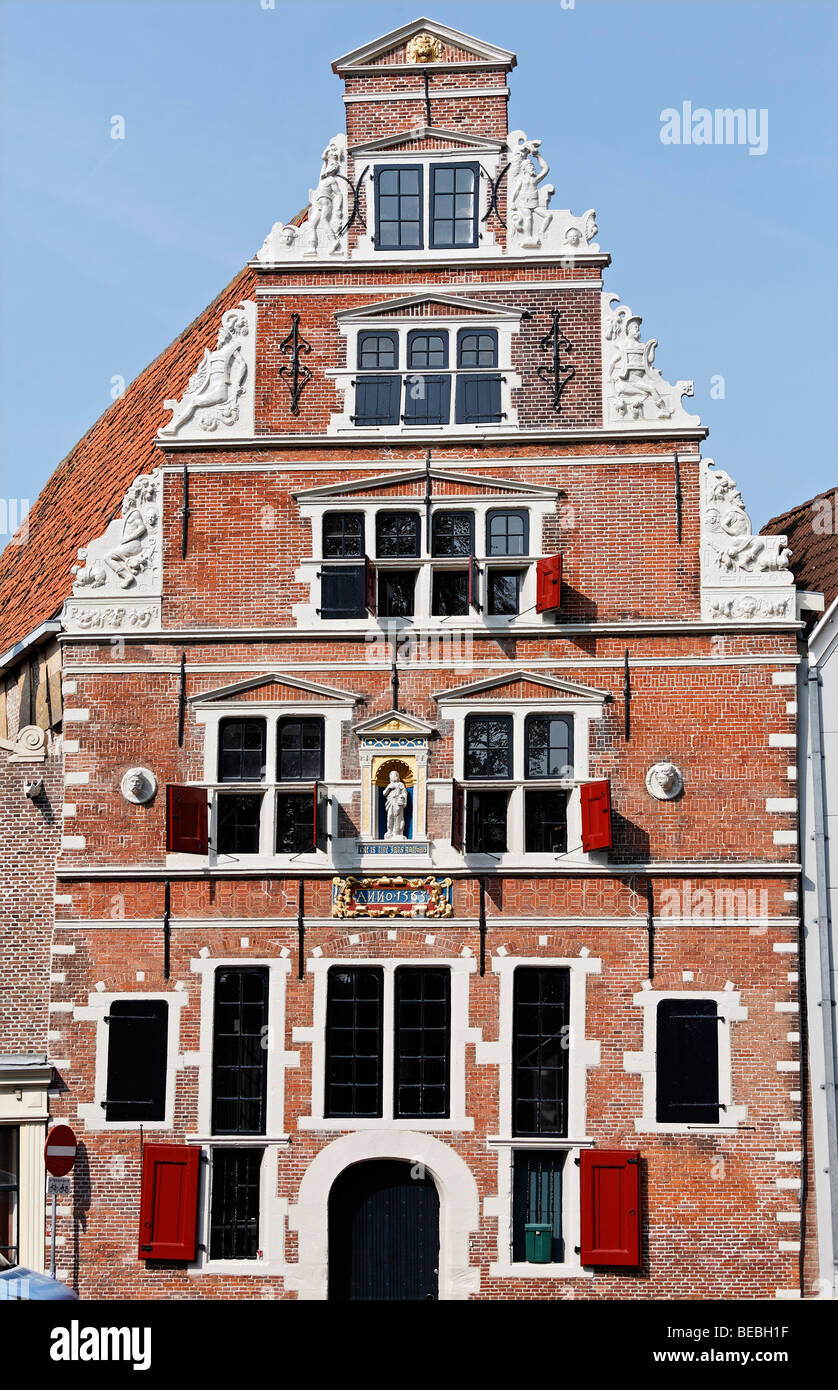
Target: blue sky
110, 247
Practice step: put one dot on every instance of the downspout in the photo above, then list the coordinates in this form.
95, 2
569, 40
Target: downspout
823, 926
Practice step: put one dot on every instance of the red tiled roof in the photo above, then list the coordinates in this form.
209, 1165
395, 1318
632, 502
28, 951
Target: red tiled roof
86, 489
812, 529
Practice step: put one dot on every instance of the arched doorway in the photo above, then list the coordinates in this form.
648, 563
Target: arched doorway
383, 1233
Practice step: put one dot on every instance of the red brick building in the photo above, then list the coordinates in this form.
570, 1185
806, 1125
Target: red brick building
426, 905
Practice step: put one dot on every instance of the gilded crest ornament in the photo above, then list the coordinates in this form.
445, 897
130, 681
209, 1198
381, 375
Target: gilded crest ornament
424, 48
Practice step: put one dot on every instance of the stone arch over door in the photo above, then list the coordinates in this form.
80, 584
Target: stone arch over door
459, 1207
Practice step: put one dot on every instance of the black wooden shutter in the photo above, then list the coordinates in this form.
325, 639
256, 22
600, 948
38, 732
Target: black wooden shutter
137, 1036
688, 1061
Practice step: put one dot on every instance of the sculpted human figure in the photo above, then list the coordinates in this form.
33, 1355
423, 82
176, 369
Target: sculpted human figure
633, 375
395, 801
327, 204
664, 781
126, 558
219, 378
737, 546
529, 215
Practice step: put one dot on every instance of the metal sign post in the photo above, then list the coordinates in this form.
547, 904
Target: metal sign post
59, 1157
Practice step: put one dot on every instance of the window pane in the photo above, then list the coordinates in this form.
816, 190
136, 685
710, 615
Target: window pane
422, 1041
450, 593
377, 400
398, 202
540, 1051
240, 1057
397, 533
688, 1062
343, 535
396, 593
507, 533
241, 756
488, 746
537, 1199
452, 533
354, 1041
136, 1084
378, 350
486, 822
549, 746
234, 1214
427, 350
546, 822
300, 750
477, 349
454, 205
238, 824
342, 593
505, 592
295, 832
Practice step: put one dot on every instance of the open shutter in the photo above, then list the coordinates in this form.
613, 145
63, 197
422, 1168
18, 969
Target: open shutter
610, 1200
548, 583
320, 814
596, 815
186, 820
473, 583
169, 1202
370, 587
458, 816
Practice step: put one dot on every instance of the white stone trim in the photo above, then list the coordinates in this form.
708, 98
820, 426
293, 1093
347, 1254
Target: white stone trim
487, 247
24, 1104
459, 1214
96, 1011
461, 1034
644, 1063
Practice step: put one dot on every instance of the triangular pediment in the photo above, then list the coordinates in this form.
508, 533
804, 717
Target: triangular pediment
424, 43
394, 724
427, 137
431, 306
275, 689
523, 685
411, 483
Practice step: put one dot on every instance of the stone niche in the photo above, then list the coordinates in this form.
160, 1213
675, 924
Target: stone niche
389, 743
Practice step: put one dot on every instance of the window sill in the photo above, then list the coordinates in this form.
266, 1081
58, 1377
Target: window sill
536, 1271
496, 1141
347, 1125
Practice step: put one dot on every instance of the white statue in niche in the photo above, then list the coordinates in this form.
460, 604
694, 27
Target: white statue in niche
664, 781
529, 215
328, 204
138, 785
395, 802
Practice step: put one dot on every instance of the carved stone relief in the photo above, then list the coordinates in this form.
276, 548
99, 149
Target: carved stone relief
664, 781
743, 576
127, 558
532, 223
138, 785
634, 392
219, 397
322, 234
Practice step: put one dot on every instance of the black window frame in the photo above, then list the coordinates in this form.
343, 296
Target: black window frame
389, 335
533, 1042
493, 576
498, 513
414, 1061
387, 578
236, 1175
400, 244
140, 1028
347, 582
344, 552
427, 368
691, 1047
315, 774
373, 1090
470, 772
567, 721
415, 527
434, 242
481, 804
237, 829
242, 751
538, 1198
250, 1088
445, 515
538, 818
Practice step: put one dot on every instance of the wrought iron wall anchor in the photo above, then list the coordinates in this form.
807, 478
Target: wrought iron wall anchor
494, 190
353, 188
295, 373
560, 373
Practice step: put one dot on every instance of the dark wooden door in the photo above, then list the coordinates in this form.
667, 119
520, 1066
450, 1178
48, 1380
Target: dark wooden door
383, 1233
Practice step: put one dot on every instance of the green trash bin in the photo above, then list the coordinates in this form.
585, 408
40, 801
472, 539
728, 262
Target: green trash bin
539, 1238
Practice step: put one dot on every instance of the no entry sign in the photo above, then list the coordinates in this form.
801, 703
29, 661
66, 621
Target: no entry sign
60, 1151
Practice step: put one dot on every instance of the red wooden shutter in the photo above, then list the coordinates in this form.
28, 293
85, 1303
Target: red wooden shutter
548, 583
610, 1192
169, 1202
186, 820
370, 586
596, 815
458, 816
473, 583
320, 811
